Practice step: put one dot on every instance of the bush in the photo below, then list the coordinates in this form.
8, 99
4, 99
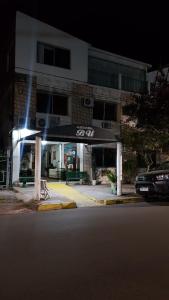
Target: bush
111, 176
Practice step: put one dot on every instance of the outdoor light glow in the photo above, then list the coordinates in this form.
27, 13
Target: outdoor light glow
44, 143
22, 133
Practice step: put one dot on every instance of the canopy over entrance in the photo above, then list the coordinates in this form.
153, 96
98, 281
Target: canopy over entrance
78, 134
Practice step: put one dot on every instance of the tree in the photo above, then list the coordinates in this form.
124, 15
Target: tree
150, 115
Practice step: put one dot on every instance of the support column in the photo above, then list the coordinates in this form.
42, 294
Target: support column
37, 168
15, 157
8, 169
119, 168
60, 156
81, 156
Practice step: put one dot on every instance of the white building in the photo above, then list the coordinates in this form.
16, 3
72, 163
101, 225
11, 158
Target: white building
69, 92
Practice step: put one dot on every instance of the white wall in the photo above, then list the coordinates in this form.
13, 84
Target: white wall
29, 31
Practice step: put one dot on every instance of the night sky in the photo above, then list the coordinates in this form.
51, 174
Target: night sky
135, 30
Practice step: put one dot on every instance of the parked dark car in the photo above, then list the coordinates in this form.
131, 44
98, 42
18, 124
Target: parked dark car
155, 182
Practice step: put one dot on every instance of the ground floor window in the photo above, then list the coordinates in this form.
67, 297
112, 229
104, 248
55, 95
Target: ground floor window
104, 157
71, 158
55, 157
27, 156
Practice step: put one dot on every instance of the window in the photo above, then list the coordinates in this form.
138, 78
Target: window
48, 56
131, 84
98, 110
106, 73
52, 104
60, 105
105, 111
53, 56
44, 103
104, 157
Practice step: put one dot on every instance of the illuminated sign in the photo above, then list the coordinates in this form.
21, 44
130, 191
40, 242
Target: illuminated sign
82, 131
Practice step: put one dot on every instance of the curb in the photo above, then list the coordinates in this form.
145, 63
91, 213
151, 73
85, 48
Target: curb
119, 200
56, 206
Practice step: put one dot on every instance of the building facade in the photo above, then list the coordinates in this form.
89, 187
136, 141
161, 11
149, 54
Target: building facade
67, 92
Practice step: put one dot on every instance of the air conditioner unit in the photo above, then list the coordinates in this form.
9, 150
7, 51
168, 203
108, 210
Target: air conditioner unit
107, 125
88, 102
41, 123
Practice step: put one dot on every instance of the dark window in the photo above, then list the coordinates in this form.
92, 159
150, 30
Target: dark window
110, 111
97, 157
98, 110
105, 111
62, 58
49, 56
135, 85
104, 157
52, 104
60, 105
109, 157
106, 73
44, 103
53, 56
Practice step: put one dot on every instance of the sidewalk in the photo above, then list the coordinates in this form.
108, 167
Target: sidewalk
75, 195
64, 196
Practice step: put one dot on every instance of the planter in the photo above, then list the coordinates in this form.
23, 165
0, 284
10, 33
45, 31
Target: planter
93, 182
114, 188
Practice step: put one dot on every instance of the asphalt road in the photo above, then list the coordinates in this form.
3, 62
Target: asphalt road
104, 253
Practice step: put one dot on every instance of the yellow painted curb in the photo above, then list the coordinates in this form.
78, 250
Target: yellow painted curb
45, 206
56, 206
119, 201
69, 205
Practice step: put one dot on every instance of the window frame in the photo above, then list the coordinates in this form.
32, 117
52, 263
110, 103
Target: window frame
104, 111
40, 54
51, 106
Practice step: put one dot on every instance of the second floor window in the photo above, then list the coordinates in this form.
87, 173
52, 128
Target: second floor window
105, 111
53, 56
52, 104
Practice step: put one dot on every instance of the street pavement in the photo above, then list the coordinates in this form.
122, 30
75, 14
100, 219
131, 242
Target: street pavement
96, 253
